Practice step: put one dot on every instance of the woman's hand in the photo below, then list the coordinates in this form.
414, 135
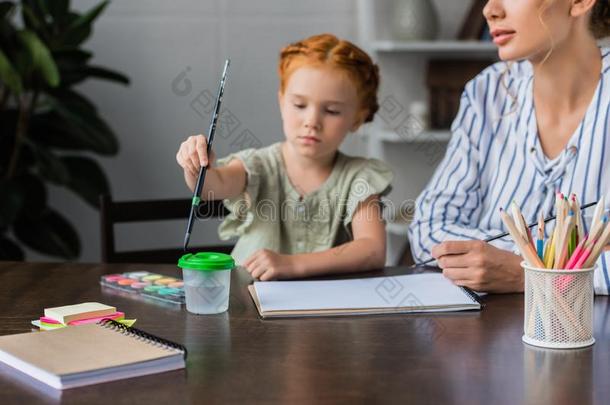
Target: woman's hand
265, 264
480, 266
192, 155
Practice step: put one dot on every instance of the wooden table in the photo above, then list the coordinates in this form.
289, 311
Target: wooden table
463, 358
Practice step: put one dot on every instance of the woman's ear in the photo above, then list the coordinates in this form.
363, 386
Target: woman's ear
582, 7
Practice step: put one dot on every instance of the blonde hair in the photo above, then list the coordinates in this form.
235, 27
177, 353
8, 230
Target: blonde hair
600, 19
599, 25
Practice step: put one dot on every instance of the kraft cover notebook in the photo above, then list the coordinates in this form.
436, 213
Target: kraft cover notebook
429, 292
89, 354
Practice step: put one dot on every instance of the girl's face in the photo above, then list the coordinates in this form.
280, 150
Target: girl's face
517, 30
319, 107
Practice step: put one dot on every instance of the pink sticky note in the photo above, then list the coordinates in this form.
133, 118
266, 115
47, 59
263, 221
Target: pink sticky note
116, 315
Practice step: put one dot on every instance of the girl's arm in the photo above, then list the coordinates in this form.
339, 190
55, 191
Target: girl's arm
225, 182
365, 252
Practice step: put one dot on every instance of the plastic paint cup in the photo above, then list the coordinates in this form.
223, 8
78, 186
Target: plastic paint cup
126, 281
207, 281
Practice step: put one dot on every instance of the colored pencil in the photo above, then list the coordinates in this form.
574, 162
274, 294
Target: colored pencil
540, 237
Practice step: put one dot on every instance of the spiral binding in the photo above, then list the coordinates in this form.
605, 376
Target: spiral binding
472, 295
141, 335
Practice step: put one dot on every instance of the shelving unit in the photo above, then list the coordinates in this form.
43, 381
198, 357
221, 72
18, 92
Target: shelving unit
413, 157
442, 48
431, 135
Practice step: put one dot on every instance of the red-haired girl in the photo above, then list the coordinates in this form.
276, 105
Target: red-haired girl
301, 207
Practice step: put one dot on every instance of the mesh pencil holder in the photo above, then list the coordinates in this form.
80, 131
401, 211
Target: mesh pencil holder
558, 307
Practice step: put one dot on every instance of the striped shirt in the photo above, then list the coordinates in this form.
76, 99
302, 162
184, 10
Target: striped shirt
495, 157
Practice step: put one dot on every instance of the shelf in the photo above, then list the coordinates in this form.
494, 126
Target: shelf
432, 135
436, 47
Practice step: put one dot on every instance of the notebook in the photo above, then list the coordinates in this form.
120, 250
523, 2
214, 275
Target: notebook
89, 354
428, 292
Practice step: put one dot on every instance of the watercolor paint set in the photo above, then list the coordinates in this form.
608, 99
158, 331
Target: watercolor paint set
146, 285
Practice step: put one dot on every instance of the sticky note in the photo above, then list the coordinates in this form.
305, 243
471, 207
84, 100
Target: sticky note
76, 312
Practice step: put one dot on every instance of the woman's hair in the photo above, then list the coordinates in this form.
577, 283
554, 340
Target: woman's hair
328, 50
600, 19
599, 24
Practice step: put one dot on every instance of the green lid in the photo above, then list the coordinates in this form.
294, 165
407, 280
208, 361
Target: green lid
206, 261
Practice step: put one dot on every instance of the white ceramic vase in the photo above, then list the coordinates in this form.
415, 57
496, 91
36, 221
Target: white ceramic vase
414, 20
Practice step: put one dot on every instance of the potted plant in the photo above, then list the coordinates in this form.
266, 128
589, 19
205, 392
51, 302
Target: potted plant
48, 130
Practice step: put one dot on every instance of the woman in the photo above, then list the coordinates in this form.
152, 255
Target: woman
524, 130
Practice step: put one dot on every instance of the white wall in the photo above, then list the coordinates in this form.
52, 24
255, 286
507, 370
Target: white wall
403, 79
153, 41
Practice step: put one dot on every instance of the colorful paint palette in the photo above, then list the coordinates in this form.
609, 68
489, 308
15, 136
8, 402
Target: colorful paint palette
147, 285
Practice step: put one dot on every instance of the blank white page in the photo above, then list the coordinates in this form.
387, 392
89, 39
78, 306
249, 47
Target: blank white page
413, 290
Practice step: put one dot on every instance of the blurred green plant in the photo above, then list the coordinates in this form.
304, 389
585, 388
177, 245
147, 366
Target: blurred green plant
48, 130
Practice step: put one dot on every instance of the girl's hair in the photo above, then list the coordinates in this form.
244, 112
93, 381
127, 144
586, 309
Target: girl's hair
328, 50
600, 19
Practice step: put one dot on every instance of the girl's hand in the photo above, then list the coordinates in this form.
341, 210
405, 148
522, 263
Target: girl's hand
479, 266
265, 265
193, 154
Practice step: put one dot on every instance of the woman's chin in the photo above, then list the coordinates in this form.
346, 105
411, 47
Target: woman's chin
512, 52
507, 54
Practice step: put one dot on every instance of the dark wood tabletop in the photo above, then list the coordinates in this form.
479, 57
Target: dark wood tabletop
462, 358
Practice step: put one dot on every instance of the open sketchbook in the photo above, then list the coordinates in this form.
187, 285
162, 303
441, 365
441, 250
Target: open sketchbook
89, 354
428, 292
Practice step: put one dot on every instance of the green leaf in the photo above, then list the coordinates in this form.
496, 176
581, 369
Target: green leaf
35, 195
6, 7
87, 178
11, 202
9, 250
71, 57
42, 61
79, 28
7, 28
78, 112
30, 18
9, 76
50, 167
38, 7
23, 195
33, 21
58, 9
52, 130
71, 76
8, 121
50, 234
107, 74
72, 100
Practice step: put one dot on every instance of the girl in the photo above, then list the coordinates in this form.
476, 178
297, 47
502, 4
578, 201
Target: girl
523, 131
301, 207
